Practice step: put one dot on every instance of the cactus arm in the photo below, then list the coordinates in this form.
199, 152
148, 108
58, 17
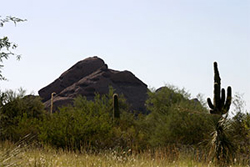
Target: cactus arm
229, 98
222, 100
210, 104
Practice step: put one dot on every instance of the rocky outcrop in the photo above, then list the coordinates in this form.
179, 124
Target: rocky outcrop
91, 76
74, 74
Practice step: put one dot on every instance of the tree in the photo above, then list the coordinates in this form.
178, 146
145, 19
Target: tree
7, 47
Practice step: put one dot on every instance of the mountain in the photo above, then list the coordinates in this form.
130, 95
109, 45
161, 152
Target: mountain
91, 76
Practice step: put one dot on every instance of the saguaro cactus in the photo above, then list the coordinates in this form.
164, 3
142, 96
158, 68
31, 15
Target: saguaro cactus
51, 102
224, 148
116, 112
219, 106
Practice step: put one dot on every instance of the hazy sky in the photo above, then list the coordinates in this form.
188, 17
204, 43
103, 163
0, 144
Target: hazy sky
160, 41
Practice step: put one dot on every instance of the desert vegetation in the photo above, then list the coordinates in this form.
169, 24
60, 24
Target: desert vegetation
178, 131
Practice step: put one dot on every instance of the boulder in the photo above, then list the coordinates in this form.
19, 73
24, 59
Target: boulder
91, 76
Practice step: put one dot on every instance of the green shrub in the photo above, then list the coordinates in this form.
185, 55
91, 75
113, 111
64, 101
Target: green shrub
19, 115
87, 123
176, 119
90, 125
240, 134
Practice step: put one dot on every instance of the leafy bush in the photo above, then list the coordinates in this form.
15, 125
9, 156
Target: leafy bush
240, 127
72, 127
90, 125
19, 115
176, 119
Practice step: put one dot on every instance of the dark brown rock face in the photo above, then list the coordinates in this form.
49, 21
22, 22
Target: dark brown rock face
91, 76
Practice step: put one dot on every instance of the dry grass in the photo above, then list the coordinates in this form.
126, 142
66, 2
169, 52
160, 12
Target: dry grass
47, 157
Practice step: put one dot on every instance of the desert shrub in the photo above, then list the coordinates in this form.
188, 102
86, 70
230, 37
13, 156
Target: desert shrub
19, 115
247, 125
161, 100
72, 127
90, 125
240, 128
130, 133
176, 119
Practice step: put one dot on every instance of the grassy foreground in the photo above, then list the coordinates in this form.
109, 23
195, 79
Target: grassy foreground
13, 155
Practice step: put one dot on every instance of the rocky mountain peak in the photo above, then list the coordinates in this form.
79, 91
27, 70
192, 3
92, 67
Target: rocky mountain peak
90, 76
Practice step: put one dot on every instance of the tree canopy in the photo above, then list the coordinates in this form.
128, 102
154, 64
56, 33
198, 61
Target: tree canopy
7, 47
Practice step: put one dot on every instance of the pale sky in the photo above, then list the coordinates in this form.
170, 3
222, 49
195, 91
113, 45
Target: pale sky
160, 41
